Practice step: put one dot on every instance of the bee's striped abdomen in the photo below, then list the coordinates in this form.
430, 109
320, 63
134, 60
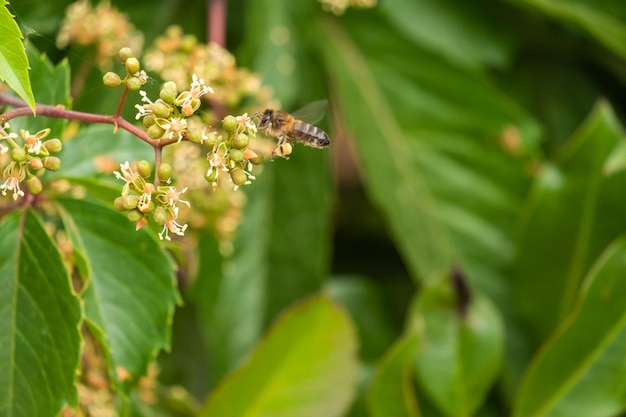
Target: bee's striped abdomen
310, 135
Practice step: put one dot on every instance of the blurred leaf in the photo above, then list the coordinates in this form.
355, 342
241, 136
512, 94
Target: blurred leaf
391, 392
39, 320
300, 196
51, 86
616, 161
96, 150
131, 293
305, 366
230, 293
364, 301
458, 31
581, 371
602, 20
13, 61
459, 355
427, 137
573, 213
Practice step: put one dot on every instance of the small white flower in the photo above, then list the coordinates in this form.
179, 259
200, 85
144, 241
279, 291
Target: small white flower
12, 184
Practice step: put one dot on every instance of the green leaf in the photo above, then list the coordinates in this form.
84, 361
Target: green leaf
424, 133
391, 392
131, 293
581, 371
39, 320
52, 86
599, 19
13, 61
305, 366
459, 31
565, 225
229, 293
97, 149
460, 354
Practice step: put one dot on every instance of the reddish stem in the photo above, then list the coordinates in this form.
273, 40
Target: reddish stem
217, 22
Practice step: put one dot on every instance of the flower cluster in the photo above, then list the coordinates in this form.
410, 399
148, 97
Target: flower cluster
339, 7
232, 154
28, 160
135, 77
167, 116
140, 198
176, 56
103, 26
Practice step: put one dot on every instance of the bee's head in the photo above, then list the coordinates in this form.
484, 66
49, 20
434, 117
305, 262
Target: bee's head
265, 118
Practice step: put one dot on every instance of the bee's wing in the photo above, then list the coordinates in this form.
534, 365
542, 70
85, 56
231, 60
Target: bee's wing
312, 112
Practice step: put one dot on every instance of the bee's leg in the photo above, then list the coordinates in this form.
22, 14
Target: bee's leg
281, 149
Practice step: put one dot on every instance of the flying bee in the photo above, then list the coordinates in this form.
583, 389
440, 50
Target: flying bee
288, 128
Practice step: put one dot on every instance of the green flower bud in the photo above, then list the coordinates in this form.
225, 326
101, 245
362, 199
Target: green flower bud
168, 93
118, 204
111, 79
160, 215
18, 154
241, 141
212, 177
155, 131
124, 54
51, 163
165, 172
34, 184
130, 201
161, 109
211, 139
148, 120
53, 145
134, 215
194, 136
229, 123
132, 65
238, 176
143, 168
236, 155
133, 83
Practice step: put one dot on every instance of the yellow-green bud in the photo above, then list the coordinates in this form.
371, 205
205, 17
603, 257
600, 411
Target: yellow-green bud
132, 65
161, 109
118, 204
51, 163
189, 41
53, 145
169, 92
134, 215
148, 120
155, 131
165, 172
160, 215
194, 136
211, 138
238, 176
18, 154
133, 83
229, 123
111, 79
130, 201
236, 155
34, 184
241, 141
212, 177
143, 168
124, 54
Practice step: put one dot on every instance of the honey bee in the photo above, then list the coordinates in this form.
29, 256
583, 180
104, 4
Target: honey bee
289, 128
